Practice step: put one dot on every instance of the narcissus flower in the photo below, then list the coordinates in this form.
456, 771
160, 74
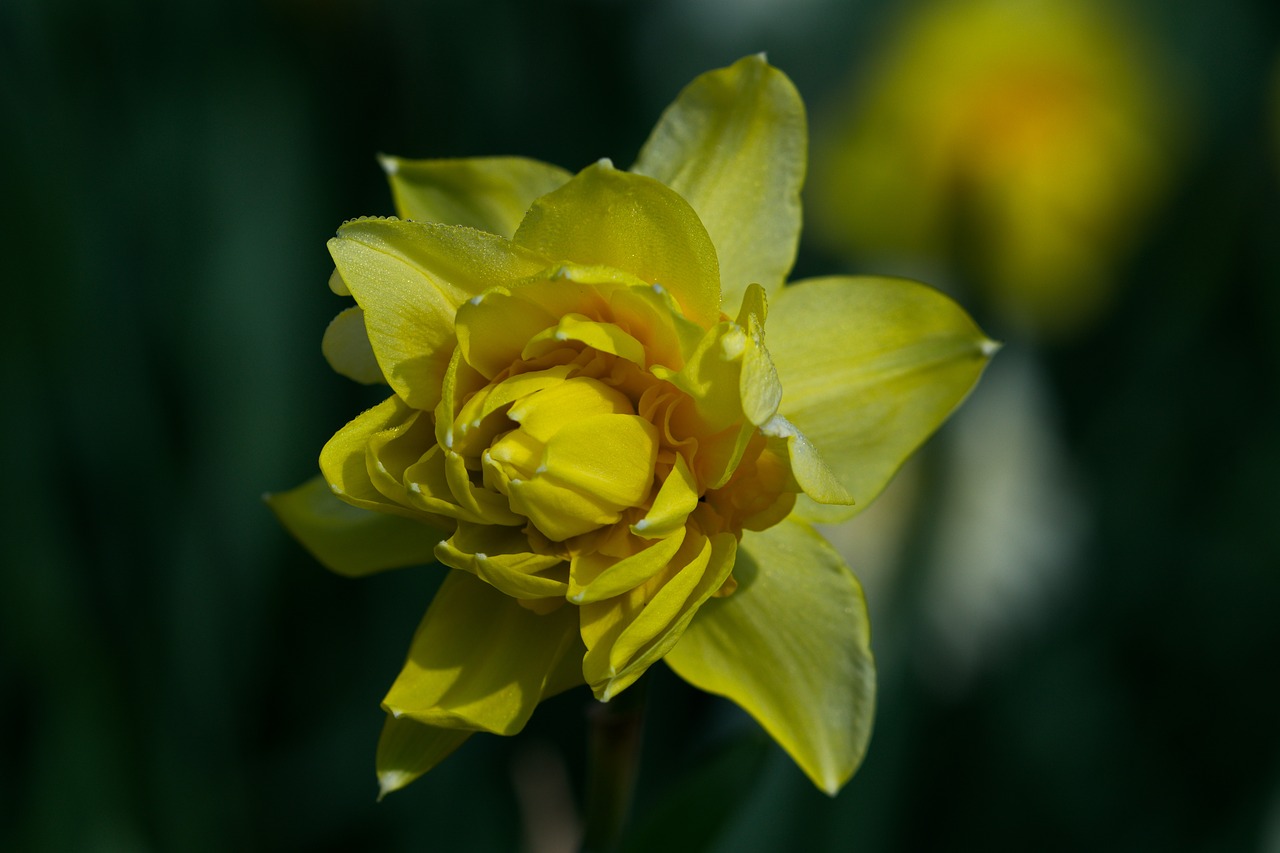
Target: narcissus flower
614, 425
1029, 140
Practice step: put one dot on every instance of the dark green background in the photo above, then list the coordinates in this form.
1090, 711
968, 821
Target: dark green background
178, 675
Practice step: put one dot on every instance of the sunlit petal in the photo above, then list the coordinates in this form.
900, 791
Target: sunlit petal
635, 224
792, 646
734, 145
870, 367
410, 278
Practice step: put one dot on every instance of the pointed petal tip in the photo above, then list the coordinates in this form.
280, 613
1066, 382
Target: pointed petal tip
392, 781
389, 164
610, 687
990, 348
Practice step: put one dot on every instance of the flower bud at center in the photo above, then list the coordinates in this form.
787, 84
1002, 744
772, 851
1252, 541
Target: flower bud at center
578, 457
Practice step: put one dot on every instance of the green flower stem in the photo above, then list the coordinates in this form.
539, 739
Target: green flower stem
613, 761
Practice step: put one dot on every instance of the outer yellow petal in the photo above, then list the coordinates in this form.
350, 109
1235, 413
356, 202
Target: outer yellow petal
632, 223
870, 367
348, 540
481, 662
734, 144
488, 193
410, 278
792, 646
407, 749
346, 347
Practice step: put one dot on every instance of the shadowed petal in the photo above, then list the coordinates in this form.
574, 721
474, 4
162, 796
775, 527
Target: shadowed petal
481, 662
349, 540
407, 749
344, 460
347, 349
488, 193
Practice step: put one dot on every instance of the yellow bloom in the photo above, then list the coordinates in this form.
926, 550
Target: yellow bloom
615, 470
1029, 139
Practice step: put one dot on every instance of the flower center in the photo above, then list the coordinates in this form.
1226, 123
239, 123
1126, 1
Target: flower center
588, 414
578, 457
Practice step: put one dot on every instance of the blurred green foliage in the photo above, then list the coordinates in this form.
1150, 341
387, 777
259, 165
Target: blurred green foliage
175, 674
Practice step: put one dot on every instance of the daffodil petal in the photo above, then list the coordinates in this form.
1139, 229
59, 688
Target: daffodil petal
349, 540
734, 144
487, 193
625, 635
676, 498
712, 375
755, 303
716, 376
808, 468
632, 223
482, 503
344, 458
337, 285
407, 749
595, 576
391, 452
410, 278
427, 487
481, 662
791, 646
758, 384
610, 457
605, 337
501, 557
493, 327
347, 349
870, 367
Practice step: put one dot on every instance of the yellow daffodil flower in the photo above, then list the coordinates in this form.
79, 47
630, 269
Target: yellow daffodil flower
615, 470
1029, 139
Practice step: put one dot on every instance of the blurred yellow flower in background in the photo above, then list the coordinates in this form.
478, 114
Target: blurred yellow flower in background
615, 469
1024, 142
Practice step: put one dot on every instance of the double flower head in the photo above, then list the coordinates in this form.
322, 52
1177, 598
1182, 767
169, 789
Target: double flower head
614, 425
